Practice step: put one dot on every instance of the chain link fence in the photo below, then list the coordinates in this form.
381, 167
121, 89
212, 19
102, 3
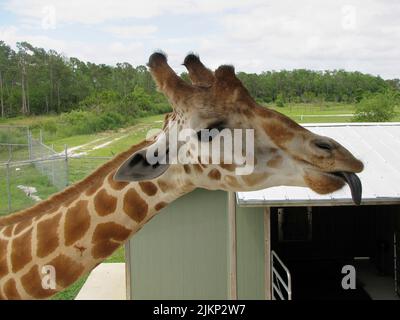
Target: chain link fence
31, 171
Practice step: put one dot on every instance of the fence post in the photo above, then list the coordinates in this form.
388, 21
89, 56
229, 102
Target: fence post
30, 144
8, 185
52, 170
66, 166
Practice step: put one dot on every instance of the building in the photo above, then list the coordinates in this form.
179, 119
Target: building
219, 245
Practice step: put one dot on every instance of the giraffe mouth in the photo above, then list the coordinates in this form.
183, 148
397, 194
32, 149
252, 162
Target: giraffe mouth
354, 183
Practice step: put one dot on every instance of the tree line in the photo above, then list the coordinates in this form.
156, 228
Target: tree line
306, 86
38, 81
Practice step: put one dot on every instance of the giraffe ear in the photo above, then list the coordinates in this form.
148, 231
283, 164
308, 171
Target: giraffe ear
145, 164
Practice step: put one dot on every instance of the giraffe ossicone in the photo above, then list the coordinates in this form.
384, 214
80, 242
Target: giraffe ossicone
76, 229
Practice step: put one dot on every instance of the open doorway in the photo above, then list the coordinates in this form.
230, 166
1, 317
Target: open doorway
323, 245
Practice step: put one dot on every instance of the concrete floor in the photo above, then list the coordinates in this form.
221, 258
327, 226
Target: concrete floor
105, 282
378, 287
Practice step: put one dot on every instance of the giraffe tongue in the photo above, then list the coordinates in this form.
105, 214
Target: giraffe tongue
355, 185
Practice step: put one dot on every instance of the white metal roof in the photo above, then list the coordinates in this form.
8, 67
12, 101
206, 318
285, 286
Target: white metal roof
376, 144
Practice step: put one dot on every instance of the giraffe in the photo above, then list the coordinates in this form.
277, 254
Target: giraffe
76, 229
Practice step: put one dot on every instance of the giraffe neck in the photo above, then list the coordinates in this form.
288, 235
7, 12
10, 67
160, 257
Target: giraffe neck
75, 230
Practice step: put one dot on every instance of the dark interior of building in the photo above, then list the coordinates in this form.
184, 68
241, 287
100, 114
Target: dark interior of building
315, 243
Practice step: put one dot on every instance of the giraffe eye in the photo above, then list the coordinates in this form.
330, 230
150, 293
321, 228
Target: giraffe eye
209, 133
324, 145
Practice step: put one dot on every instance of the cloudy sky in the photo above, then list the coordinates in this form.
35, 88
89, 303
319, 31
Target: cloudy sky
253, 35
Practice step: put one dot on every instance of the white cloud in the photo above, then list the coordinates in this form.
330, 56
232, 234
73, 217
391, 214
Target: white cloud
110, 53
12, 34
254, 35
318, 34
127, 32
94, 11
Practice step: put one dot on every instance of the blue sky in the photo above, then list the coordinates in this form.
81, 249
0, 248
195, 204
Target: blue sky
253, 35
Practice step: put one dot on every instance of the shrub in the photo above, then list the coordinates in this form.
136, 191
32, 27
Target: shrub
377, 107
280, 100
86, 122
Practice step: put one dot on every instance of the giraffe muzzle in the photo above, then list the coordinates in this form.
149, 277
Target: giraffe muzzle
354, 183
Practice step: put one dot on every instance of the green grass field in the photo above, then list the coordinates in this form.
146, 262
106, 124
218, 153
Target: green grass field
327, 112
113, 142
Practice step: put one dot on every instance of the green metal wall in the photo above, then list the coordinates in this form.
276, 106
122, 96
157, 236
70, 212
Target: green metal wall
250, 253
183, 252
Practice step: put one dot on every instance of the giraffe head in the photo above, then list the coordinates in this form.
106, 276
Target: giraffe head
280, 151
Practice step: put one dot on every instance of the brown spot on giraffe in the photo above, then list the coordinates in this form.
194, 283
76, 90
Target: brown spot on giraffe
134, 206
37, 211
148, 187
32, 283
10, 290
275, 162
278, 133
47, 236
96, 185
116, 185
228, 166
104, 203
160, 205
247, 112
254, 178
67, 270
232, 182
3, 258
21, 253
187, 168
164, 185
21, 226
77, 222
322, 184
268, 113
107, 237
71, 200
214, 174
8, 231
197, 168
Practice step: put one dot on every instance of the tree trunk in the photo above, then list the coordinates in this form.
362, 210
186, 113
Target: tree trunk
58, 96
51, 85
1, 96
47, 104
24, 108
28, 107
